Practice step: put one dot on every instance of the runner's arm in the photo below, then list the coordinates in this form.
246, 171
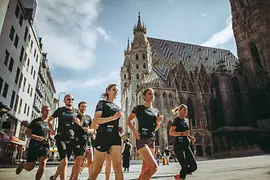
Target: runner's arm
50, 124
172, 132
101, 120
29, 133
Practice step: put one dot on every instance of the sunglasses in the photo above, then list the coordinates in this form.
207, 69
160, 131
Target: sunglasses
70, 99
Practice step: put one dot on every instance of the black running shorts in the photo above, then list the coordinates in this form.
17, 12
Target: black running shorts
65, 148
104, 143
36, 151
146, 141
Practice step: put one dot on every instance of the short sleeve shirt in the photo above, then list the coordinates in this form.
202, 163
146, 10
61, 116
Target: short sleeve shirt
65, 122
147, 120
39, 127
108, 109
86, 121
181, 126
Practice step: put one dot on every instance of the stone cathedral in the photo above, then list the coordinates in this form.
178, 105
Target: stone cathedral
228, 99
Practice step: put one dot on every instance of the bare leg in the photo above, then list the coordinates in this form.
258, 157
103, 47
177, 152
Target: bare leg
148, 157
116, 156
108, 167
143, 170
76, 168
99, 159
89, 161
42, 164
28, 166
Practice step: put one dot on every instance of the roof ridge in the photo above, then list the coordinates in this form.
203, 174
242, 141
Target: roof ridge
189, 44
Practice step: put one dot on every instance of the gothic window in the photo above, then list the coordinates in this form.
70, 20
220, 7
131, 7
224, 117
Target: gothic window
137, 57
191, 115
144, 65
184, 86
144, 56
125, 84
165, 101
255, 54
138, 77
137, 85
170, 100
137, 66
170, 138
205, 88
125, 76
190, 87
182, 100
156, 100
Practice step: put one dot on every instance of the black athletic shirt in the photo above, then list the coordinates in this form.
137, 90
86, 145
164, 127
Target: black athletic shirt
65, 122
108, 109
181, 126
39, 127
147, 118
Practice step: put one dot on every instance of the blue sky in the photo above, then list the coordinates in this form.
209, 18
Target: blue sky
85, 39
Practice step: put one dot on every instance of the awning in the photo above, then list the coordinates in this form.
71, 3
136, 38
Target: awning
16, 140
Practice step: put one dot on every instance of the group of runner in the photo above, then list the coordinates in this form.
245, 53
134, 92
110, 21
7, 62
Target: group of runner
77, 134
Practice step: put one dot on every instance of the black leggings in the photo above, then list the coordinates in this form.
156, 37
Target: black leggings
186, 159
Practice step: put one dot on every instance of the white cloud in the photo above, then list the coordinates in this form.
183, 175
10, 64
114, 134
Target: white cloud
69, 31
64, 86
222, 37
203, 14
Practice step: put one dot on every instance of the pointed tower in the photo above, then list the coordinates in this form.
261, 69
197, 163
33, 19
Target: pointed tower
137, 63
139, 32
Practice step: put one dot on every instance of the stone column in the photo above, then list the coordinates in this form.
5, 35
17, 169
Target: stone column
18, 128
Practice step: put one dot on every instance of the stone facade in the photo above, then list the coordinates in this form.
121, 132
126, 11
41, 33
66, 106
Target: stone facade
178, 73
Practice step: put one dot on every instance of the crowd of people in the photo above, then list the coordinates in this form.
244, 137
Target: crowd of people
92, 142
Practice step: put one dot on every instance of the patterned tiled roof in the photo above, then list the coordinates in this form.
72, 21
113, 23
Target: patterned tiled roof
191, 56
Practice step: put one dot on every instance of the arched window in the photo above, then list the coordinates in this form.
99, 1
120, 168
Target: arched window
205, 88
170, 100
190, 87
138, 86
177, 84
182, 100
184, 86
144, 57
125, 76
165, 100
156, 100
170, 138
126, 107
137, 57
137, 66
255, 54
191, 115
138, 77
144, 65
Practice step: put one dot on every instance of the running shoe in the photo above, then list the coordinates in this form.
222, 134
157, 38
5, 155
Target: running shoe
19, 168
177, 177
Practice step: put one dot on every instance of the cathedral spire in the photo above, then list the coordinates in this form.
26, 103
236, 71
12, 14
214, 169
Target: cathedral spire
139, 27
139, 24
128, 46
